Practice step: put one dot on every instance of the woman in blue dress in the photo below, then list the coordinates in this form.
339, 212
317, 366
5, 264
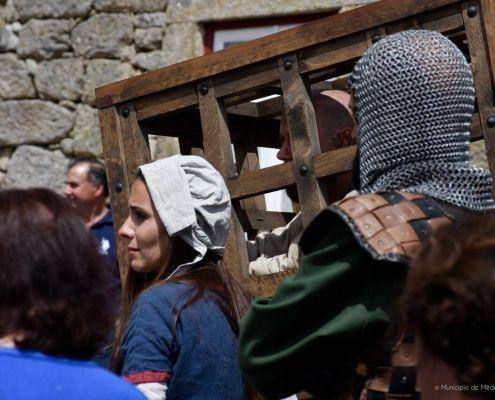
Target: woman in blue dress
181, 307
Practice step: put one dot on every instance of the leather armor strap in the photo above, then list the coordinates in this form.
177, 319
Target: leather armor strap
392, 225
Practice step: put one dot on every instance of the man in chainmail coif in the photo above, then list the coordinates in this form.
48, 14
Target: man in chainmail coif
330, 328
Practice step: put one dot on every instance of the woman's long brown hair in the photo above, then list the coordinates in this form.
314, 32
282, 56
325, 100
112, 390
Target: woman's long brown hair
209, 276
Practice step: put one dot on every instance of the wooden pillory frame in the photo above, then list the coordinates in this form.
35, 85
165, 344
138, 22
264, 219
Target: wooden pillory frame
206, 103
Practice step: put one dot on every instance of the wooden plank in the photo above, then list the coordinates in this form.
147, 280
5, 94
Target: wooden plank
217, 148
280, 176
247, 160
113, 153
187, 127
301, 122
134, 140
166, 102
333, 27
488, 15
265, 286
268, 220
482, 76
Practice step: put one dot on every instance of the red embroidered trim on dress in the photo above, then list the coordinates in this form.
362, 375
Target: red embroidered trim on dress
148, 376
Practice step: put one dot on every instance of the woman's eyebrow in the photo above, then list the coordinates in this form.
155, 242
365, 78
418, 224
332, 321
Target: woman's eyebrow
137, 208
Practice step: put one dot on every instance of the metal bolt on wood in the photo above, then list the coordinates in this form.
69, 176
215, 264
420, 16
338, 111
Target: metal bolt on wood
119, 187
472, 11
490, 121
375, 38
303, 170
287, 65
203, 89
126, 112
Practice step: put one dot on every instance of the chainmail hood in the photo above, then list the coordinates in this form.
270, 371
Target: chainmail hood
414, 94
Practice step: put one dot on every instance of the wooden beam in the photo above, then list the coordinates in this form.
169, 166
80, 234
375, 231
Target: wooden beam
247, 160
217, 148
488, 15
483, 79
241, 55
135, 141
118, 186
265, 286
268, 220
305, 144
282, 175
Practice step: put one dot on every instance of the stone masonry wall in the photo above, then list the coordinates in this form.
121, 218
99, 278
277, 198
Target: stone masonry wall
53, 53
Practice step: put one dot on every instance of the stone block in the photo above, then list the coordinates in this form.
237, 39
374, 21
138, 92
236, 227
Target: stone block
44, 39
32, 166
8, 38
150, 20
15, 81
27, 9
61, 79
112, 5
477, 153
10, 13
148, 5
151, 60
163, 146
103, 35
148, 39
201, 10
182, 42
86, 133
130, 5
5, 154
100, 72
33, 122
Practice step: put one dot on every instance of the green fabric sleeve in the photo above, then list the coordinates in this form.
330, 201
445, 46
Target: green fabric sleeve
311, 333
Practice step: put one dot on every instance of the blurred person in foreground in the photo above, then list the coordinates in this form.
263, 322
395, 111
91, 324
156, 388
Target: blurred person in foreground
55, 306
86, 188
277, 250
449, 303
178, 335
325, 329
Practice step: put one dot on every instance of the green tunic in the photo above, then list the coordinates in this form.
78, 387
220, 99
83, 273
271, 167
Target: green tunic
313, 331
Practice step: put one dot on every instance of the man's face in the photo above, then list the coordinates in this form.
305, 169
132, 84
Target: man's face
330, 139
326, 143
80, 192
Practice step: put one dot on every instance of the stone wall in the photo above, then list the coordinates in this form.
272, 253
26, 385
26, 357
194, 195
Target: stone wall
53, 53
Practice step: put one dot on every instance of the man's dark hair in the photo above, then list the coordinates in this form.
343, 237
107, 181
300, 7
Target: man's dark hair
54, 290
450, 300
96, 171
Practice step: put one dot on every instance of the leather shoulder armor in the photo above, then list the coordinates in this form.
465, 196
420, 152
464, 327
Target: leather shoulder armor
392, 226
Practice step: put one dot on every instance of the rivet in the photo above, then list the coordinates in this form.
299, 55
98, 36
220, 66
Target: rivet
388, 217
403, 233
375, 38
404, 379
203, 89
287, 65
119, 187
126, 112
366, 226
380, 242
490, 121
303, 170
408, 210
472, 11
